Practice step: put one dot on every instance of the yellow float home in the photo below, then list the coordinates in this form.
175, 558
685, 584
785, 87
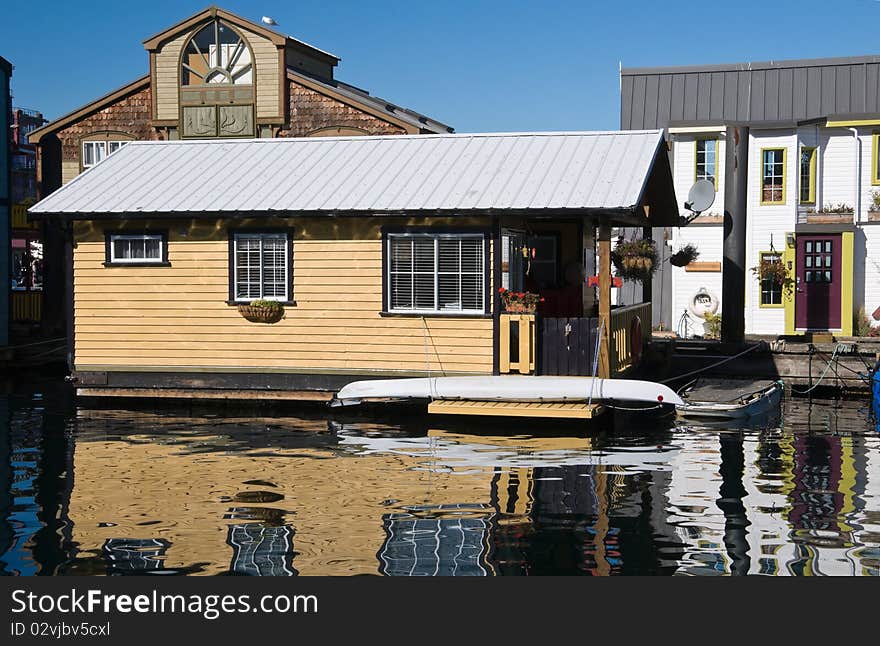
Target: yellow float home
383, 255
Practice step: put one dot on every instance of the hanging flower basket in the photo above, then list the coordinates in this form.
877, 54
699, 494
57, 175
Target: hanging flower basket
684, 256
635, 259
774, 271
519, 302
261, 311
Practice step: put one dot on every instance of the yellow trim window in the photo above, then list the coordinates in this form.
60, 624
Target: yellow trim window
706, 160
771, 286
807, 170
875, 160
773, 176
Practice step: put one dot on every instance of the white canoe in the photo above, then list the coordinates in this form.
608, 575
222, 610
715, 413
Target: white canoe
513, 388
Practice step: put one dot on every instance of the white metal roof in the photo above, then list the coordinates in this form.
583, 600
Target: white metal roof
401, 173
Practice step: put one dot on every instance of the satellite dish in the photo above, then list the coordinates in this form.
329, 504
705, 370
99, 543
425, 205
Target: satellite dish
701, 196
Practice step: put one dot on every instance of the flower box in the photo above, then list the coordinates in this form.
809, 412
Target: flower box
874, 216
823, 217
262, 311
519, 302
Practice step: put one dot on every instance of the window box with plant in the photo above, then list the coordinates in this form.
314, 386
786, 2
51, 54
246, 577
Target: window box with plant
519, 302
635, 259
831, 214
262, 311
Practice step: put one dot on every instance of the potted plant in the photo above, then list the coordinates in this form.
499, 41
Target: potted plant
635, 259
776, 271
874, 206
832, 213
519, 302
684, 256
712, 326
262, 311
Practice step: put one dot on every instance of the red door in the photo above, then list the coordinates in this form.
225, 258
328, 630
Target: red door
817, 299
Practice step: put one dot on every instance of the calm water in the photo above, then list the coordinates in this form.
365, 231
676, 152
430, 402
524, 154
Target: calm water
96, 491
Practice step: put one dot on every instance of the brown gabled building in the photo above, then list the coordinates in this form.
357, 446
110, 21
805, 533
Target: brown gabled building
213, 75
217, 75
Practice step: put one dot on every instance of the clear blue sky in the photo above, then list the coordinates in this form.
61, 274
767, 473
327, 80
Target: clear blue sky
478, 66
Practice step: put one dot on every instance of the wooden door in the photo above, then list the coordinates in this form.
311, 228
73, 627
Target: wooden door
817, 296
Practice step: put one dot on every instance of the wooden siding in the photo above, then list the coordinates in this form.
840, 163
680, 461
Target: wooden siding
311, 111
167, 89
266, 68
128, 116
69, 170
177, 318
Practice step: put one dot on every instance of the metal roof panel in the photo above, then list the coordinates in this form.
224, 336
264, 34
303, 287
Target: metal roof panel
428, 173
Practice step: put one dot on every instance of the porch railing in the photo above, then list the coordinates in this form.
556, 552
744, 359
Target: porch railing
630, 333
517, 344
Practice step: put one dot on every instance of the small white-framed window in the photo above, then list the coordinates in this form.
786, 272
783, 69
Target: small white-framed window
94, 152
136, 249
436, 273
706, 160
261, 267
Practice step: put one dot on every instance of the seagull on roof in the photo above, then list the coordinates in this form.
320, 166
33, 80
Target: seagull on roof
269, 21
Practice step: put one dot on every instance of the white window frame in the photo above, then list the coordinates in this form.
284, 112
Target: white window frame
436, 272
113, 260
105, 145
236, 236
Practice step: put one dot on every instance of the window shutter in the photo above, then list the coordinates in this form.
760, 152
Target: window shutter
436, 272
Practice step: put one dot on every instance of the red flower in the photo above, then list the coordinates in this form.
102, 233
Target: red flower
542, 300
501, 290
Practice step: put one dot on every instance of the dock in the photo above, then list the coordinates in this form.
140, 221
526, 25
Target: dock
842, 364
544, 410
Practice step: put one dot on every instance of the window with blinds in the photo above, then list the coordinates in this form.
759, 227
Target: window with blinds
436, 273
260, 265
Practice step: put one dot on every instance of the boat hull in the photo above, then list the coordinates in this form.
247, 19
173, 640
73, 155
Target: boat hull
513, 388
761, 402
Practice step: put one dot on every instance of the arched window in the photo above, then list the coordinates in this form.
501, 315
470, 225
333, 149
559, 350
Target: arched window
217, 54
217, 83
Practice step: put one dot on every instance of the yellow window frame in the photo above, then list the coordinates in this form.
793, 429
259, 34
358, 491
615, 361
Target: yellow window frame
875, 162
812, 179
784, 175
697, 141
781, 303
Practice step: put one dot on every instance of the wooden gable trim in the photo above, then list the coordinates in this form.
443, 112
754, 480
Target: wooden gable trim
35, 136
320, 88
280, 40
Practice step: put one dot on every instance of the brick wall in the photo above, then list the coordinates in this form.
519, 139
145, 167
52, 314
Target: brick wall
310, 110
130, 115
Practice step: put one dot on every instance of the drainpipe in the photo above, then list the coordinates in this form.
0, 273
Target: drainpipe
858, 201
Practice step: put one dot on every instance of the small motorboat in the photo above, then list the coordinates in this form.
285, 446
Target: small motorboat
729, 398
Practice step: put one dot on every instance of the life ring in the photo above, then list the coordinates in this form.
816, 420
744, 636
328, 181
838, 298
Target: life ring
635, 339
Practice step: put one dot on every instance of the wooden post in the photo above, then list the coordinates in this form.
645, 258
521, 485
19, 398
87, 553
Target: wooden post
605, 300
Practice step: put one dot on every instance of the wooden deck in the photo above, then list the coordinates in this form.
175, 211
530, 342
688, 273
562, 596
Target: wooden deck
547, 410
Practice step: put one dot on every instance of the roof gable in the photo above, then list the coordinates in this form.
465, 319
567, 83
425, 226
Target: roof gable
280, 40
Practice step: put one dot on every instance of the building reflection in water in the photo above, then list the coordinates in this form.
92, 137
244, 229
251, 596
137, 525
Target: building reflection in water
135, 555
454, 544
261, 550
225, 493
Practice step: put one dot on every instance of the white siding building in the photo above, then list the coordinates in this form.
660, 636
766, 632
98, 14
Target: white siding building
813, 174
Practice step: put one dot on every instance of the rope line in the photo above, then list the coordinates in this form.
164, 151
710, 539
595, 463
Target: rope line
714, 365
